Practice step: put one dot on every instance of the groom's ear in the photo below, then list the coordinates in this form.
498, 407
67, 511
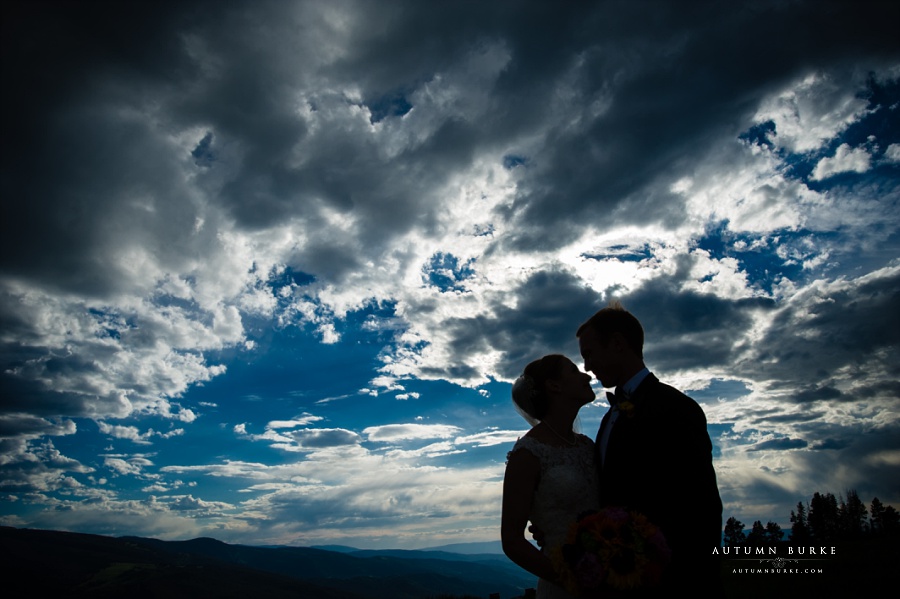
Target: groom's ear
617, 342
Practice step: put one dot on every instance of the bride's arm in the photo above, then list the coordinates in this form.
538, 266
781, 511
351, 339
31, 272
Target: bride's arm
519, 483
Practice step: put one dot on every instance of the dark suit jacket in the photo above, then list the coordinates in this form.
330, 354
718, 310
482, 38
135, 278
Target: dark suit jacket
659, 462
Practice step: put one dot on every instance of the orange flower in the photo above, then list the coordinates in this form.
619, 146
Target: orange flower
612, 549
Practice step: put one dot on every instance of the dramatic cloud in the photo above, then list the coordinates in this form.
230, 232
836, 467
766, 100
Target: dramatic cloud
294, 252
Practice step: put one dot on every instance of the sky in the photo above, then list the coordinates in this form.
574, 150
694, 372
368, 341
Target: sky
269, 268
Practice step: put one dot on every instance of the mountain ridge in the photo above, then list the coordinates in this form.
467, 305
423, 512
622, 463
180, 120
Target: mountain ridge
84, 565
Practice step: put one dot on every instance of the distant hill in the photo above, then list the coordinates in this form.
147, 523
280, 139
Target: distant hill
471, 548
81, 565
337, 548
486, 547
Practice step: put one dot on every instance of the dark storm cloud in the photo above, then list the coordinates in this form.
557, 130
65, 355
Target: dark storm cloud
793, 417
116, 183
95, 174
778, 444
686, 61
16, 425
67, 58
686, 329
83, 68
884, 388
817, 394
830, 444
852, 327
24, 394
72, 162
162, 160
550, 305
866, 458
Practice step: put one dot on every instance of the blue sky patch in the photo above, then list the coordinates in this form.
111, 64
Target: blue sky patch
445, 272
390, 105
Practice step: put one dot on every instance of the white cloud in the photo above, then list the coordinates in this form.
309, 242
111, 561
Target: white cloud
35, 468
845, 160
189, 503
432, 450
350, 492
390, 433
123, 467
491, 437
303, 420
812, 111
892, 153
329, 335
325, 437
133, 434
18, 430
125, 432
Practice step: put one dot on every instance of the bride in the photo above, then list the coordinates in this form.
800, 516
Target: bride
550, 475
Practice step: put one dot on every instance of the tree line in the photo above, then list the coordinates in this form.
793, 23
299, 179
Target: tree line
825, 518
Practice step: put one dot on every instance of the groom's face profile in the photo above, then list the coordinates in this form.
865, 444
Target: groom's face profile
599, 358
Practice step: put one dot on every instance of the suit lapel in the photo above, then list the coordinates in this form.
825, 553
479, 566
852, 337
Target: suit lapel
643, 389
598, 443
622, 429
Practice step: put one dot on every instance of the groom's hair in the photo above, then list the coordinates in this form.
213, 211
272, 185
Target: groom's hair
616, 319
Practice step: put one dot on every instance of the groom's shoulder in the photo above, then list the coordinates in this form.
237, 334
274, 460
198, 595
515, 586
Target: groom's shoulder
654, 388
669, 399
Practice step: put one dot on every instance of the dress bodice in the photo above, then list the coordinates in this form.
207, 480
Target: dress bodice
567, 485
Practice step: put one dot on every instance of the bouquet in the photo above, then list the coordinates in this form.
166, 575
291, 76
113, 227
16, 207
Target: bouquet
611, 550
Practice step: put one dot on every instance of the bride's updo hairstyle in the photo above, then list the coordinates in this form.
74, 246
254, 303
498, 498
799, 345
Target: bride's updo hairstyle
529, 392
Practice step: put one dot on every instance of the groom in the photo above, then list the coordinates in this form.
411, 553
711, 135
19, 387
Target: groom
653, 451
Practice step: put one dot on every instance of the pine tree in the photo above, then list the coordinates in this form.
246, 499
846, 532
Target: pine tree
852, 515
876, 518
884, 518
823, 517
734, 532
774, 534
757, 534
891, 520
799, 525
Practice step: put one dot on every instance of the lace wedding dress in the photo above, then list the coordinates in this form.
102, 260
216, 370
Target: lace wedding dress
567, 488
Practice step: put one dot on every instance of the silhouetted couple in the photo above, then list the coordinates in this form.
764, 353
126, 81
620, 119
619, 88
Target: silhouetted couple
649, 471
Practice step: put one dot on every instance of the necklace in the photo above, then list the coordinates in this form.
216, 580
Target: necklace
572, 442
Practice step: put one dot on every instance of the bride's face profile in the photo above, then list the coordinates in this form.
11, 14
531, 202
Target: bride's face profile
574, 383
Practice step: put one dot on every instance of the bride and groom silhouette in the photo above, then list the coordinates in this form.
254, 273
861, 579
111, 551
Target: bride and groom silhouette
649, 473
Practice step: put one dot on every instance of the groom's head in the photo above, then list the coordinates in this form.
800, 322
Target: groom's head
611, 343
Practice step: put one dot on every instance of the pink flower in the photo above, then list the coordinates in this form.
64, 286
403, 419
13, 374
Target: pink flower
612, 548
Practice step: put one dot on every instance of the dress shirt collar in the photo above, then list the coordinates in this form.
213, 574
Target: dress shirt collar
633, 383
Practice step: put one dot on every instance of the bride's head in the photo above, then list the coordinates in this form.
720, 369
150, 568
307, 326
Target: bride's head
545, 379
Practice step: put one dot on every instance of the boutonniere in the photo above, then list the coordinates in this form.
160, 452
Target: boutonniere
626, 407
